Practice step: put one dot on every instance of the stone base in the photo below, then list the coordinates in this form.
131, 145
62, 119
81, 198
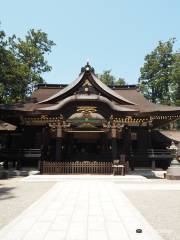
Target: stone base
17, 173
3, 174
171, 177
173, 172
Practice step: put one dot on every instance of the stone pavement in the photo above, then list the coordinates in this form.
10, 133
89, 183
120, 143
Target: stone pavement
81, 209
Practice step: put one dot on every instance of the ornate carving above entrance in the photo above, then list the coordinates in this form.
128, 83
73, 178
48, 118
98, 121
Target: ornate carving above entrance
86, 117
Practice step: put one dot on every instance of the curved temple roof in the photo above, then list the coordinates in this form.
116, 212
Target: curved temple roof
91, 98
52, 97
96, 82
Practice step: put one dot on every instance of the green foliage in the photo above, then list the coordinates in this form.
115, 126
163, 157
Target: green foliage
176, 84
160, 75
120, 81
176, 79
109, 79
21, 64
156, 80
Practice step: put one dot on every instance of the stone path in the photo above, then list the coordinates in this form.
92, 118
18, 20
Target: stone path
80, 210
55, 178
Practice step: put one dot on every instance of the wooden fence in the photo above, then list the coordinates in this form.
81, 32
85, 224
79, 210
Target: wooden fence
85, 167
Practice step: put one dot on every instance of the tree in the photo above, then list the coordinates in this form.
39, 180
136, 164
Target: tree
160, 75
176, 84
31, 52
109, 79
176, 79
21, 64
12, 78
120, 81
11, 73
156, 80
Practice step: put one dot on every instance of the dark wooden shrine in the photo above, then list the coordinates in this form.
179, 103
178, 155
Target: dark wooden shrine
84, 126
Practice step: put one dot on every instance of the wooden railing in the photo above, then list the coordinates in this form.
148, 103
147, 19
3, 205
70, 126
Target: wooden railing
85, 167
159, 153
32, 153
153, 153
152, 158
15, 153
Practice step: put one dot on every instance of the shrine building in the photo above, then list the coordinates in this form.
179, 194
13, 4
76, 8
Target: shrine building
86, 127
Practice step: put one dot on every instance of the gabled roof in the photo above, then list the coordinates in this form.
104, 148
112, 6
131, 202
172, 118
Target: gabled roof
173, 135
91, 97
4, 126
88, 72
118, 98
133, 94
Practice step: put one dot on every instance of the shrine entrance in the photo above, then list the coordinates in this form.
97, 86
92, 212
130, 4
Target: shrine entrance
87, 146
80, 152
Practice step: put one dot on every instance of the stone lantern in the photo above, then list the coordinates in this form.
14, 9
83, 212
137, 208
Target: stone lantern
173, 171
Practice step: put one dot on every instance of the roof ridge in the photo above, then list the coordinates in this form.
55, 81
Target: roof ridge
102, 86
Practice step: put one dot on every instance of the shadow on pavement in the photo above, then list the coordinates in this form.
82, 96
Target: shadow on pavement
149, 174
6, 193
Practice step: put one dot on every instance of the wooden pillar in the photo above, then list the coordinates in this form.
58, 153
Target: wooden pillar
127, 146
118, 143
114, 143
7, 146
20, 150
103, 143
144, 143
153, 164
123, 147
129, 150
68, 155
58, 155
149, 147
140, 139
149, 138
43, 145
19, 160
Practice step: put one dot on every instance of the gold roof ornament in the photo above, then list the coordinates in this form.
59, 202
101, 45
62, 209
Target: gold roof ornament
87, 83
86, 109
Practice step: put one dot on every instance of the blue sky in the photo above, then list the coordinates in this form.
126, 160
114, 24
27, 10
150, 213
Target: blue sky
111, 34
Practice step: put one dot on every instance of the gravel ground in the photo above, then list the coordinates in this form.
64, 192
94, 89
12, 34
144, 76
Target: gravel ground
161, 208
16, 196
